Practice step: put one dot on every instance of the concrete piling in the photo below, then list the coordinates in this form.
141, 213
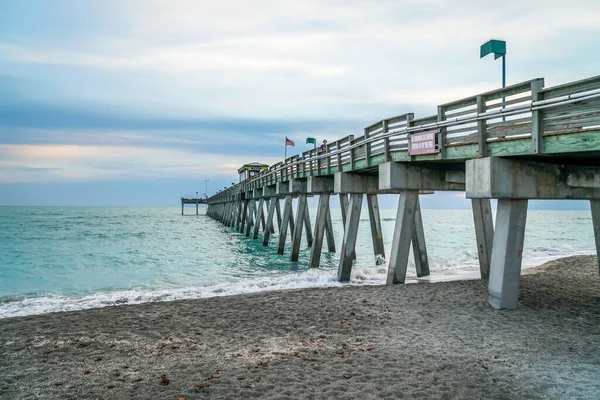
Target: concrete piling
507, 253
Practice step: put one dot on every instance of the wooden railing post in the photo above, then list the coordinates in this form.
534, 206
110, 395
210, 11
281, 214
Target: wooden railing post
409, 124
288, 170
339, 157
441, 116
350, 143
481, 128
367, 147
537, 118
295, 167
385, 128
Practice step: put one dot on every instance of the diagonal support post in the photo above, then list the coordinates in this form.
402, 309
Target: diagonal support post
285, 222
403, 232
418, 244
484, 234
297, 236
376, 232
320, 227
350, 234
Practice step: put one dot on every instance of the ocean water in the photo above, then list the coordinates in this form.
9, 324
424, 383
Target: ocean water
56, 259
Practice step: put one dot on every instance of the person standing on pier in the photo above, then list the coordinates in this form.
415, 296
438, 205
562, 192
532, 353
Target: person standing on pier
323, 146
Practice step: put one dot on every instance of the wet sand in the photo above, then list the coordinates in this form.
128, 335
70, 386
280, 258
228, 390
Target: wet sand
427, 341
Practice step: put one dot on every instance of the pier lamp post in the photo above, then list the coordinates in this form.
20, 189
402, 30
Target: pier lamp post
206, 188
498, 48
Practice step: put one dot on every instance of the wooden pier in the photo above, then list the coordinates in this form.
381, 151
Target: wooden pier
194, 200
513, 144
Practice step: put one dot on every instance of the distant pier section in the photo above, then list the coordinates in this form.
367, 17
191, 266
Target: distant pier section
195, 200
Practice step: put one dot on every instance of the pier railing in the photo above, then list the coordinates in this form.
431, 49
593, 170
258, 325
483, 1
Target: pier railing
514, 120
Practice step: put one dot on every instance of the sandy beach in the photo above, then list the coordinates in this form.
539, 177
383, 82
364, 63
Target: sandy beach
425, 341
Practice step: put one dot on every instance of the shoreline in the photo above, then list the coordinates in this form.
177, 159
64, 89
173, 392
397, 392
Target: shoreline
434, 340
51, 303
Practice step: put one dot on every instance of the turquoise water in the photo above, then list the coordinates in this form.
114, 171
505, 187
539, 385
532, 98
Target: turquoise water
54, 258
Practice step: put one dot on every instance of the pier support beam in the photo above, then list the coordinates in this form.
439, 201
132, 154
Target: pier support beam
322, 214
289, 189
507, 253
344, 207
323, 186
269, 193
278, 213
285, 222
418, 244
297, 236
513, 182
355, 185
403, 233
344, 210
394, 177
270, 215
244, 214
238, 220
376, 232
232, 214
259, 217
263, 223
407, 180
484, 234
237, 211
350, 234
226, 213
497, 178
307, 227
329, 232
250, 217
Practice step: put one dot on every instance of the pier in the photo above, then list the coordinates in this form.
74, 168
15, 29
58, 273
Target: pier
521, 142
195, 200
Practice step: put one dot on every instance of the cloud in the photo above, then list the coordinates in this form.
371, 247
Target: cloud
310, 59
60, 163
171, 60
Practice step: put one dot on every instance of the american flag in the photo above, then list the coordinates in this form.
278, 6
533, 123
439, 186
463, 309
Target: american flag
289, 142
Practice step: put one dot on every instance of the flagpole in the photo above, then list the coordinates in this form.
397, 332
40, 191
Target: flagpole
285, 151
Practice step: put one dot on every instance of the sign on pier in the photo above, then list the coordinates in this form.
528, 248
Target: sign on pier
423, 143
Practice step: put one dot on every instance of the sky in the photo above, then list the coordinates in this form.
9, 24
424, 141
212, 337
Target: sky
140, 102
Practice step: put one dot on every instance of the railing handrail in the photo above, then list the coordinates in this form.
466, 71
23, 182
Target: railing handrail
490, 95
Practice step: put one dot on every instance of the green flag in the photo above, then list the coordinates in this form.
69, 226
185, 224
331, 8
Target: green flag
311, 140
